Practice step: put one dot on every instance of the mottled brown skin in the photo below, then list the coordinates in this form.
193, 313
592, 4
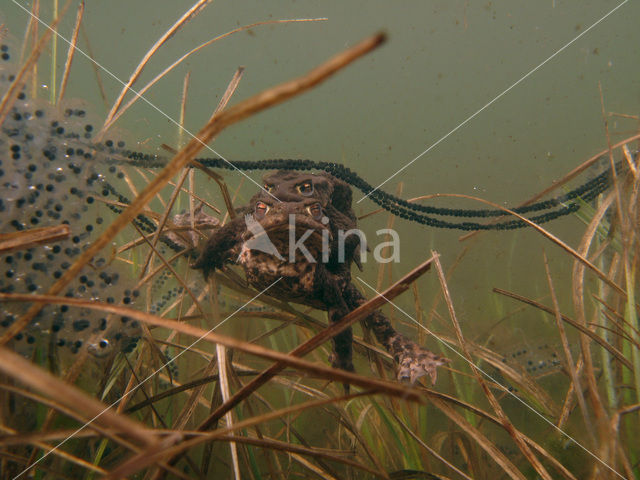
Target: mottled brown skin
322, 204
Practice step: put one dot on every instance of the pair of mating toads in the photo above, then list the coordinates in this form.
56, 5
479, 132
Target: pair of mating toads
310, 212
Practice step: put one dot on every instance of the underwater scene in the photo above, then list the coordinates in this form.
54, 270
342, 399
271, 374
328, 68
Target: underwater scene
341, 240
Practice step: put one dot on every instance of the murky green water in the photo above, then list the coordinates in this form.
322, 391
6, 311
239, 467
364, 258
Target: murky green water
504, 96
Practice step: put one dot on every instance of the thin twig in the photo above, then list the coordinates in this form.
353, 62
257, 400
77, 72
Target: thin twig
186, 17
71, 51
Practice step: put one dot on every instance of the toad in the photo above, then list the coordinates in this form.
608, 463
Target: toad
290, 234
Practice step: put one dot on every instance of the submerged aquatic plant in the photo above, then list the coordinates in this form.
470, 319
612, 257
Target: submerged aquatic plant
104, 314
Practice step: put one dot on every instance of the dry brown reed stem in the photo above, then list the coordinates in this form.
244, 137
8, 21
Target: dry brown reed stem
487, 445
183, 109
431, 451
27, 438
186, 17
25, 372
504, 420
578, 274
170, 448
11, 94
358, 314
71, 51
33, 30
175, 275
155, 236
32, 25
567, 178
22, 438
233, 85
10, 242
39, 439
234, 114
567, 353
230, 90
160, 268
221, 183
70, 378
60, 453
144, 89
525, 381
321, 371
550, 236
628, 156
612, 163
295, 448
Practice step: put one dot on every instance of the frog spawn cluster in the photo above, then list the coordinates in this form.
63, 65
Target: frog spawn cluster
51, 173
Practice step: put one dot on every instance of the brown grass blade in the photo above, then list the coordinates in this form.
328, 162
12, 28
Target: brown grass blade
567, 178
610, 348
186, 17
578, 279
318, 370
94, 66
144, 89
567, 352
71, 397
548, 235
497, 408
231, 88
10, 96
10, 242
69, 412
71, 51
60, 453
431, 451
522, 379
494, 453
174, 444
277, 445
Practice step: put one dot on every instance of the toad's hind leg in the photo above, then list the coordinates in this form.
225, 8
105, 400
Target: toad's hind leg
328, 289
342, 356
412, 360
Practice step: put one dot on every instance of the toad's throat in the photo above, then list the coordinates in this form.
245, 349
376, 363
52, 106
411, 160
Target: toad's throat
290, 241
284, 257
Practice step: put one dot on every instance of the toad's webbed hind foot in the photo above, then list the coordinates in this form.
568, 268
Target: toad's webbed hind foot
413, 361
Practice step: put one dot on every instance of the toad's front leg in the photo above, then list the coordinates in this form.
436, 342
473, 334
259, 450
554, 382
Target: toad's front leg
222, 247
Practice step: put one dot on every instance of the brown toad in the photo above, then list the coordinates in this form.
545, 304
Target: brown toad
291, 233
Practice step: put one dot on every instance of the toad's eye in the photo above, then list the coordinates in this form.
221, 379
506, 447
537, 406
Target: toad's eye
261, 210
305, 188
268, 188
315, 211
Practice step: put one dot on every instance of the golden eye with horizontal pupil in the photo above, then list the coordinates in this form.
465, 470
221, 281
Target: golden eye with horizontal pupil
315, 211
261, 210
268, 188
305, 188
